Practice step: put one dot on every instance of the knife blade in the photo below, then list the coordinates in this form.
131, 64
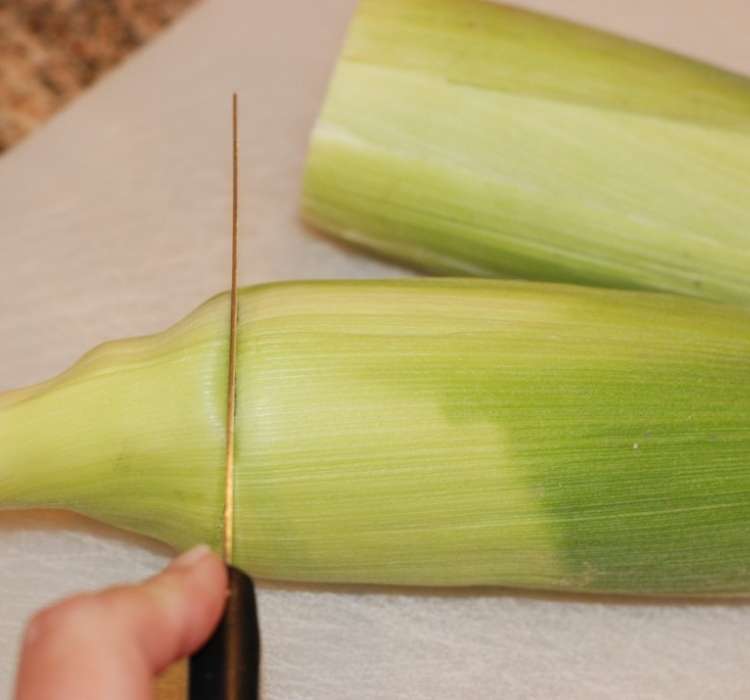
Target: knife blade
227, 667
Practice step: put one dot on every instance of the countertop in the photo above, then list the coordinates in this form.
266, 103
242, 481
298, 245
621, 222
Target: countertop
114, 221
52, 50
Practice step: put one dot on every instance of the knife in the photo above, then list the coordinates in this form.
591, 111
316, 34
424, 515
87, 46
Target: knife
227, 666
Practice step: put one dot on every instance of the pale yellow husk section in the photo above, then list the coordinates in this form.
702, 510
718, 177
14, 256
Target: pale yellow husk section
415, 492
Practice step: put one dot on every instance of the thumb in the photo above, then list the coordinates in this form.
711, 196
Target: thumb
111, 644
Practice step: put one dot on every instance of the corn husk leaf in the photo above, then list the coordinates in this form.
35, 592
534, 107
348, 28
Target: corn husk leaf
427, 432
465, 137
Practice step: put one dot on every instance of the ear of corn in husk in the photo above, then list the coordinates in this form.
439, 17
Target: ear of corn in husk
430, 432
466, 137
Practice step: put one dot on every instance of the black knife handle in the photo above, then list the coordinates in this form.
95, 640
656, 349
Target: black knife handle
227, 667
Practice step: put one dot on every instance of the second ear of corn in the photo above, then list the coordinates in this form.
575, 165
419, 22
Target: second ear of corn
431, 432
466, 137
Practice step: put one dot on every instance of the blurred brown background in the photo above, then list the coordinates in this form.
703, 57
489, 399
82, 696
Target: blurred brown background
50, 50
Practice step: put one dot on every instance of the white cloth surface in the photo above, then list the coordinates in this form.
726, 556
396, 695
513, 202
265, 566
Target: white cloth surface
114, 222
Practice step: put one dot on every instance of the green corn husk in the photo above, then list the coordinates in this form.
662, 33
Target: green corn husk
431, 432
469, 138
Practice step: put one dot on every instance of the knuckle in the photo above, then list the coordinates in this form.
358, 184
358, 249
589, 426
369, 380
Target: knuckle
62, 619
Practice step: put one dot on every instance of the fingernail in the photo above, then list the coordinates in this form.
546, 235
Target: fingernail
189, 559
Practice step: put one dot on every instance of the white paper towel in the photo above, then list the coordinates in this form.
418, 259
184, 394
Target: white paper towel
114, 221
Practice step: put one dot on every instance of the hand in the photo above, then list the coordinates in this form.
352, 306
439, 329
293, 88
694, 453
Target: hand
113, 643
